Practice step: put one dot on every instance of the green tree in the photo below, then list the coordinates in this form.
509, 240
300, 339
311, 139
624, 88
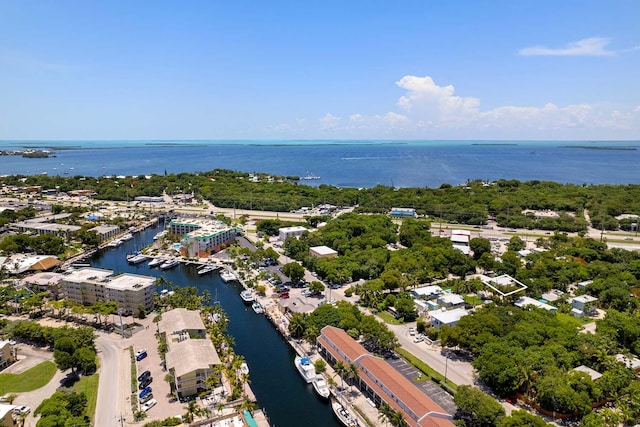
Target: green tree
476, 408
521, 418
294, 271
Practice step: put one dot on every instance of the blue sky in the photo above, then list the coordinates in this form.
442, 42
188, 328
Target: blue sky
527, 69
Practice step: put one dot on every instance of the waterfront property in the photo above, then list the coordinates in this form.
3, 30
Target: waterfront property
380, 382
45, 282
20, 263
191, 357
201, 237
89, 285
106, 232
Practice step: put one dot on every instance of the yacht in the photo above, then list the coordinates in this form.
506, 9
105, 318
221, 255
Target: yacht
169, 263
136, 258
160, 235
321, 387
207, 269
257, 307
156, 262
247, 296
228, 276
244, 368
127, 236
306, 368
342, 415
114, 243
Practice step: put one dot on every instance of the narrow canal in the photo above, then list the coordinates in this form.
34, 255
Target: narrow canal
279, 389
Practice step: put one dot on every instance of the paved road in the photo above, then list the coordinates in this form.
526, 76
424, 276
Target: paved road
458, 371
112, 385
34, 398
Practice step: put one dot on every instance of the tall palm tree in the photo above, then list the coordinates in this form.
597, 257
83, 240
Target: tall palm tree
192, 410
340, 370
351, 373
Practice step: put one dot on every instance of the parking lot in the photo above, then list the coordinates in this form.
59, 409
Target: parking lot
431, 389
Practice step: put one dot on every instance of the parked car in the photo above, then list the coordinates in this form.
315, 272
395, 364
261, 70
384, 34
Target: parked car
141, 356
139, 352
143, 393
150, 404
146, 398
284, 295
412, 331
144, 375
418, 338
145, 382
21, 410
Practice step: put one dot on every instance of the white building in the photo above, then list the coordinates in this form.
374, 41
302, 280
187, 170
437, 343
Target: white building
523, 302
322, 252
427, 292
90, 285
583, 305
460, 240
448, 317
285, 232
450, 300
201, 236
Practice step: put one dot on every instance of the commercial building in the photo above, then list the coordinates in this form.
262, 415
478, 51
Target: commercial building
89, 285
191, 357
380, 382
201, 237
322, 252
285, 232
403, 212
106, 232
460, 240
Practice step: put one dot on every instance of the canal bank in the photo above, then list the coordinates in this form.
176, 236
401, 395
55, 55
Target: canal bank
279, 390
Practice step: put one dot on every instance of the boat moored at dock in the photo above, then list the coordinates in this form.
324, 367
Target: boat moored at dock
342, 415
136, 258
321, 387
247, 296
305, 368
170, 263
228, 276
156, 262
257, 307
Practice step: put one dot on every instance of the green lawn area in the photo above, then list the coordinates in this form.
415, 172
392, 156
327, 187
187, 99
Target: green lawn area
388, 318
89, 385
30, 379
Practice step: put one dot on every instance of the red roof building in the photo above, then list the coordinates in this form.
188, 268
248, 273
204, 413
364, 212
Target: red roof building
381, 382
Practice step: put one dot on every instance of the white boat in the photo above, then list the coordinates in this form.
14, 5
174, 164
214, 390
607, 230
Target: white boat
306, 368
207, 269
114, 243
342, 415
170, 263
156, 262
321, 387
228, 276
160, 234
257, 307
136, 258
244, 368
309, 176
247, 295
125, 237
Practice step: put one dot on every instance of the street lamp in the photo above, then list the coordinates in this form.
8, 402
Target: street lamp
446, 365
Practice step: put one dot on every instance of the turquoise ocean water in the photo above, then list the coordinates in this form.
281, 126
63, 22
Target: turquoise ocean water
344, 163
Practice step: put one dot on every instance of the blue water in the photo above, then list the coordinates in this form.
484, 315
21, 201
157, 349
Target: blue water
344, 163
287, 400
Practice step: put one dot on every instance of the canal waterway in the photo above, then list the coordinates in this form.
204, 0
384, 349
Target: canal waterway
279, 389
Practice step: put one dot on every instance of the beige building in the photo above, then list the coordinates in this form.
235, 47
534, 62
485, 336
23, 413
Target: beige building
7, 356
6, 415
191, 357
322, 252
90, 285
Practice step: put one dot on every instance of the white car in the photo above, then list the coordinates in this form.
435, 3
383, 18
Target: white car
139, 352
412, 331
21, 410
418, 338
150, 404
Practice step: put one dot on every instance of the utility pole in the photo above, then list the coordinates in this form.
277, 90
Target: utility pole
121, 420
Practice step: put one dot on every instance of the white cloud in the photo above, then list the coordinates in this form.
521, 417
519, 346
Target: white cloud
592, 46
431, 111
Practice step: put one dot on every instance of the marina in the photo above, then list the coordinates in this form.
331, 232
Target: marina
305, 368
257, 338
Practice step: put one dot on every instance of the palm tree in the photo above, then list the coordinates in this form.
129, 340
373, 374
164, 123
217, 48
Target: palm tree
192, 410
397, 420
351, 372
386, 412
340, 370
156, 319
297, 324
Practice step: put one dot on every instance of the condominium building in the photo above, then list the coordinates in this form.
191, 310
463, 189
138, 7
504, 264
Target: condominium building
191, 357
89, 285
201, 236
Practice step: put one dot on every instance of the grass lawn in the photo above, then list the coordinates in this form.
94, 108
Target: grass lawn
89, 385
388, 318
30, 379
